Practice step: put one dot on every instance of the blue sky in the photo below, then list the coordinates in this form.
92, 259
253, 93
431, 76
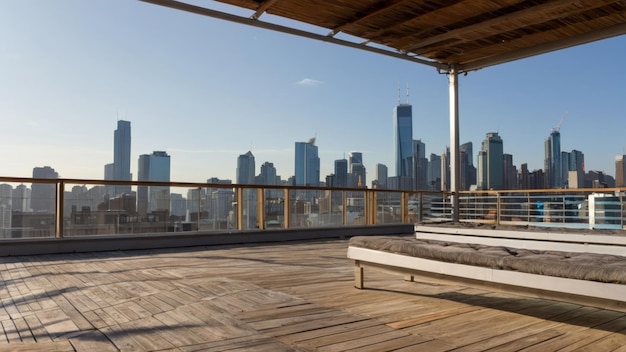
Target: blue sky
207, 91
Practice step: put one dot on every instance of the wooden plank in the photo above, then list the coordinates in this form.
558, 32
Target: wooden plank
527, 341
57, 346
92, 341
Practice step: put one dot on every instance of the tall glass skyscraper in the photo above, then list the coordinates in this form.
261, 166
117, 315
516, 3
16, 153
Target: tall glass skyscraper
491, 162
553, 160
307, 165
403, 139
121, 156
153, 167
341, 173
43, 194
245, 169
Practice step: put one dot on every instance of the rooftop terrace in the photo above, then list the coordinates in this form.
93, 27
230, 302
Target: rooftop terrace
271, 297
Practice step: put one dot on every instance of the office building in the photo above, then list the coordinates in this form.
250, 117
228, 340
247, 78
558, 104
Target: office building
43, 195
434, 172
307, 164
121, 157
268, 174
153, 167
491, 163
403, 139
552, 162
620, 171
341, 173
381, 175
356, 177
245, 169
510, 172
467, 168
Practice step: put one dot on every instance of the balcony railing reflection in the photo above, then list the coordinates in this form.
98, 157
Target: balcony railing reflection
76, 207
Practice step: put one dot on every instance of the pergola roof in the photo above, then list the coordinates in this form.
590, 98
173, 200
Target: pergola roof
470, 34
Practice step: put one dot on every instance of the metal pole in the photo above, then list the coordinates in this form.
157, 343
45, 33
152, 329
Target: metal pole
60, 190
455, 179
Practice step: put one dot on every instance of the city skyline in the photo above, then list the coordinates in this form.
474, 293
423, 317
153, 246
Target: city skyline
205, 103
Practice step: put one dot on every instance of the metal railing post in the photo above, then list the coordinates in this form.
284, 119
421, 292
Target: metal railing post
239, 209
420, 207
260, 204
498, 208
199, 207
344, 208
286, 207
60, 200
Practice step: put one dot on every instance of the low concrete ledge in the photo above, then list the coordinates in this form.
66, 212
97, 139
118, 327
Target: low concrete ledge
82, 244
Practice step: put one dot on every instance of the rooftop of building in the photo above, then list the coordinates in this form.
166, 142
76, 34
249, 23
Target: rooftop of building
271, 297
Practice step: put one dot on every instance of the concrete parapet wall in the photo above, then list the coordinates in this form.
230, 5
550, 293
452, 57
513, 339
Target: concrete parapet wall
82, 244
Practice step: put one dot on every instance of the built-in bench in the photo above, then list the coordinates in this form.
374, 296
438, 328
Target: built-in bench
583, 268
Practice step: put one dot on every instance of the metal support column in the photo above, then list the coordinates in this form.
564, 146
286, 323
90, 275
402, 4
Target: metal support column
60, 200
455, 169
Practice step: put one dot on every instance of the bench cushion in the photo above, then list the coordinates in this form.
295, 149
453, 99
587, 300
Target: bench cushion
581, 266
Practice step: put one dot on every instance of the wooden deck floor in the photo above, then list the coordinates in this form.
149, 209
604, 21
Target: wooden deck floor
278, 297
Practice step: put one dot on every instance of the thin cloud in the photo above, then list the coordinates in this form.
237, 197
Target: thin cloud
309, 82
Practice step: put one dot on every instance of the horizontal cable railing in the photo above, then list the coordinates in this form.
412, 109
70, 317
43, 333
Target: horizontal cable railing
31, 207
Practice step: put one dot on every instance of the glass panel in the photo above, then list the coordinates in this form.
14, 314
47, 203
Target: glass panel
355, 207
304, 208
217, 211
389, 207
274, 208
27, 211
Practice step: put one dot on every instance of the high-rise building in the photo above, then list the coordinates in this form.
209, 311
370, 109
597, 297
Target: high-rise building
341, 173
403, 139
620, 171
510, 172
245, 169
491, 161
468, 170
21, 198
552, 163
43, 195
356, 177
153, 167
307, 164
268, 174
420, 165
434, 172
381, 175
120, 169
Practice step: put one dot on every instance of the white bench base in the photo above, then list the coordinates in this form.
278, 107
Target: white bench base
593, 293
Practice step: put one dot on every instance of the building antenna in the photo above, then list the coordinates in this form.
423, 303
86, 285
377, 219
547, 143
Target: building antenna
398, 92
407, 93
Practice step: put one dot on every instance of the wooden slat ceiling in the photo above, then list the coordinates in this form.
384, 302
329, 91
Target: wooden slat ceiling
470, 34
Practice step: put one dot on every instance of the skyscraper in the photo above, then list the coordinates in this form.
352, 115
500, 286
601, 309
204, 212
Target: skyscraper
381, 175
510, 172
43, 195
492, 163
420, 165
468, 170
268, 174
357, 170
434, 172
341, 173
245, 169
153, 167
307, 164
120, 169
554, 171
620, 171
403, 139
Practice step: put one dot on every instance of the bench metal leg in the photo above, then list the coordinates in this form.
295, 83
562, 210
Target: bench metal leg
358, 275
409, 277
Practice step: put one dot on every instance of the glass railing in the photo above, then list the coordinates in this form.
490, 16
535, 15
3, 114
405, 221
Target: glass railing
31, 208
